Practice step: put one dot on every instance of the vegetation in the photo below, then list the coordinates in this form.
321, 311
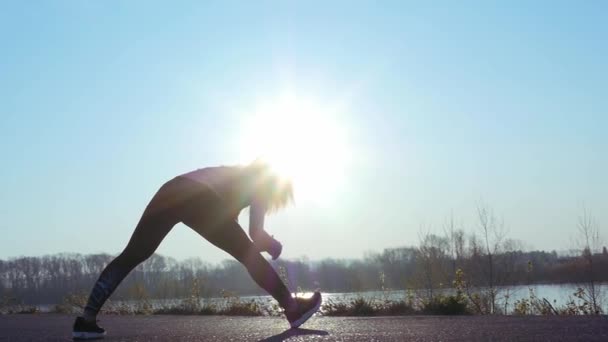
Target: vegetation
47, 280
457, 272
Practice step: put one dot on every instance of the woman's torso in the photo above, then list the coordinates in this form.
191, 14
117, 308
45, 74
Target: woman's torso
228, 182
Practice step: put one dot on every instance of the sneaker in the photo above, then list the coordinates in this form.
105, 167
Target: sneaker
305, 309
84, 330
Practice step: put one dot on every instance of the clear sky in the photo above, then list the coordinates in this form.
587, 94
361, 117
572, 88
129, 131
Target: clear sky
439, 106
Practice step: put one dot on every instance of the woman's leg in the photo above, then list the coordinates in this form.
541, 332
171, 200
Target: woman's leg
230, 237
150, 231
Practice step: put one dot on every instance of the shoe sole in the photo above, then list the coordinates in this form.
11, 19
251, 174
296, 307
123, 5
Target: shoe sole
305, 316
85, 335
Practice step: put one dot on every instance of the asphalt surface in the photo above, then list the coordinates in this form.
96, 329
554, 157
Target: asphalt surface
54, 327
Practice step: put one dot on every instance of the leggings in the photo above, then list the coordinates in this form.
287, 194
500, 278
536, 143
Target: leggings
198, 207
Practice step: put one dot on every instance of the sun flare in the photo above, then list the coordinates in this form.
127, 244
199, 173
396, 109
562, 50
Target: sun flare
303, 141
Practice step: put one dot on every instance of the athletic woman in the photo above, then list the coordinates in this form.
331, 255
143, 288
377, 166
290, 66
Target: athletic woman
209, 201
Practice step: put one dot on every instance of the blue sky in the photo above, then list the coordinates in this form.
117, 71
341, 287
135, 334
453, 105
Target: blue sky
446, 105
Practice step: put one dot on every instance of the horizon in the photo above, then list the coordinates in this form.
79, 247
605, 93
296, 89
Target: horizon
392, 119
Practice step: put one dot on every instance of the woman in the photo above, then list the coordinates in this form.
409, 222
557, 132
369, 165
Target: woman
209, 201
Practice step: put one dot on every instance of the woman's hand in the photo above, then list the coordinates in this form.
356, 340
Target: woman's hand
267, 243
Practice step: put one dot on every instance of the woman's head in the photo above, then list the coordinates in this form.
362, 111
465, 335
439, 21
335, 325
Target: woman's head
267, 185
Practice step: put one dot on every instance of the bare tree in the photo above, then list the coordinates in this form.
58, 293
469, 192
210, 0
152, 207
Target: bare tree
456, 243
493, 234
432, 261
590, 243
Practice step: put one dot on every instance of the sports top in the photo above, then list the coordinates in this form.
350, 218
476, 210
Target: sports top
232, 185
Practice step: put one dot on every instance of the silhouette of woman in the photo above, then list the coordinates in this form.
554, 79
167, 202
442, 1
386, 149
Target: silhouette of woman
209, 201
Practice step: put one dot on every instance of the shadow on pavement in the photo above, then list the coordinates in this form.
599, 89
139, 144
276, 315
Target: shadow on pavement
294, 332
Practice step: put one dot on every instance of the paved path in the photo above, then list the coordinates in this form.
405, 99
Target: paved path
53, 327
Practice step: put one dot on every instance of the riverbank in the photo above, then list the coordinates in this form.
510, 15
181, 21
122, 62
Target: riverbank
379, 303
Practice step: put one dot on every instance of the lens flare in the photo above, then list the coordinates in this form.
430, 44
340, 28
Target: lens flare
302, 141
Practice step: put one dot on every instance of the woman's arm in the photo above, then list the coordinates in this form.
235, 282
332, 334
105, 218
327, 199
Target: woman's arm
257, 212
265, 242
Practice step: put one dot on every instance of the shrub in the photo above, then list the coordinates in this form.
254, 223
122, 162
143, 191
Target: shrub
71, 304
366, 307
446, 305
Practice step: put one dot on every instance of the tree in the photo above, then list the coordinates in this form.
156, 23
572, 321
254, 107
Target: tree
432, 259
493, 234
456, 243
589, 243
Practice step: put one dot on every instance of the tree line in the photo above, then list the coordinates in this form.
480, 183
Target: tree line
431, 267
483, 259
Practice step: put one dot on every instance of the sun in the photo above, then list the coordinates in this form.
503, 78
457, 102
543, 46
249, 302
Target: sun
303, 141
